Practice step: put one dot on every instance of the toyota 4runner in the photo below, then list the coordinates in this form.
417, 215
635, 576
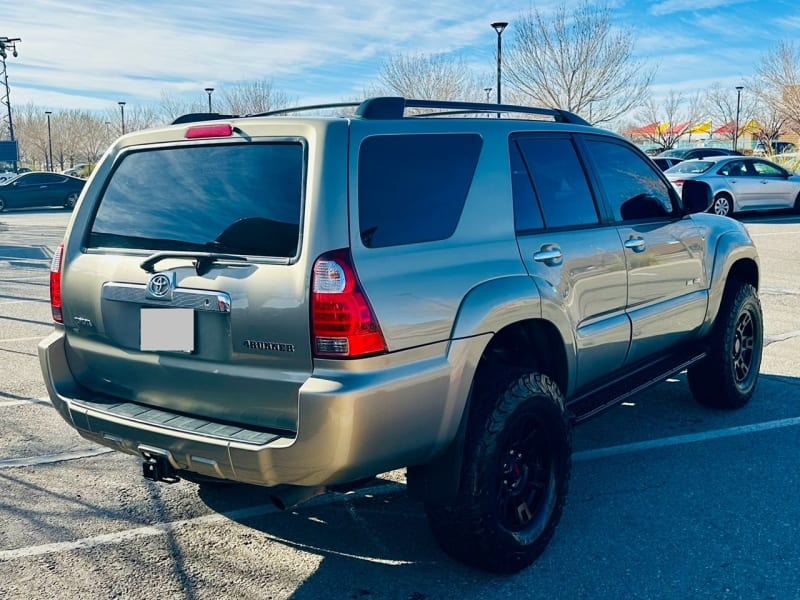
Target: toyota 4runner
342, 296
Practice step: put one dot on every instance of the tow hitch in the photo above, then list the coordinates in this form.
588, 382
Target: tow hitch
156, 465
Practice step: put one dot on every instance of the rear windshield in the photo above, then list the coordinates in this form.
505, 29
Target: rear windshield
233, 198
691, 166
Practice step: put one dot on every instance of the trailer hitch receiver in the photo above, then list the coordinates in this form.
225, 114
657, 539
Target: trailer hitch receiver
157, 465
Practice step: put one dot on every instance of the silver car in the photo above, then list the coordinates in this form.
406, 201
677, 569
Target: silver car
740, 183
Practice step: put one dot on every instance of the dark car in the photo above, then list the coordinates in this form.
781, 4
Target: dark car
35, 189
689, 153
665, 163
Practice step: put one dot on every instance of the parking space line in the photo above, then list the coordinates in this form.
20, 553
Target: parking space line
212, 519
678, 440
46, 459
383, 489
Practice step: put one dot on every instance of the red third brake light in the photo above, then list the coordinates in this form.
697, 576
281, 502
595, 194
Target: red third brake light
55, 284
209, 131
343, 324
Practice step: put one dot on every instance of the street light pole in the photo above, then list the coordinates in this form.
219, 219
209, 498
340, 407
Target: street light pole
499, 26
49, 141
738, 104
122, 115
208, 91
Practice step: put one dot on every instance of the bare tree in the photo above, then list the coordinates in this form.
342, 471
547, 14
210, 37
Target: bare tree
726, 106
672, 118
429, 77
577, 61
253, 97
778, 77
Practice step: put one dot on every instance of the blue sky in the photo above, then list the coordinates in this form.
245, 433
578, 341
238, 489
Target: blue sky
90, 54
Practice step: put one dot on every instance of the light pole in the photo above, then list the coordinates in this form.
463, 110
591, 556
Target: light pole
49, 141
7, 43
208, 91
739, 89
122, 115
499, 26
488, 91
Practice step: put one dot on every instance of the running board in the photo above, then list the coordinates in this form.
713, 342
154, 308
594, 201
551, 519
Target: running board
591, 403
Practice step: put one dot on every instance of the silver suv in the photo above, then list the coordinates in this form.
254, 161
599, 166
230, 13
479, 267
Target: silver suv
304, 301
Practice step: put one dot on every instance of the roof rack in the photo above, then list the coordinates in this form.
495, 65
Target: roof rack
394, 107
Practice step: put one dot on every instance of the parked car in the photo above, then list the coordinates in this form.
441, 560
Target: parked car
665, 162
344, 296
740, 183
6, 175
82, 170
773, 148
36, 189
689, 153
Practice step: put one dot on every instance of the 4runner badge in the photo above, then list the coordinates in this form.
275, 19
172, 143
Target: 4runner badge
160, 286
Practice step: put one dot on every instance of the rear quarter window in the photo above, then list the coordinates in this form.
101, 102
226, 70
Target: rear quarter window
232, 198
412, 188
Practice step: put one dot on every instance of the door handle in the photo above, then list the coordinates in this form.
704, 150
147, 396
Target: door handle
636, 244
549, 255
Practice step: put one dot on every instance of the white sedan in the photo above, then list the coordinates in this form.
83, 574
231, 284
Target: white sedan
740, 183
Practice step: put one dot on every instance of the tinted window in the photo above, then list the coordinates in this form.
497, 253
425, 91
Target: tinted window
559, 181
527, 214
240, 199
412, 188
630, 182
734, 168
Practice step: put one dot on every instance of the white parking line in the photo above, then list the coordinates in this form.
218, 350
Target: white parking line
384, 489
214, 519
25, 339
678, 440
23, 402
46, 459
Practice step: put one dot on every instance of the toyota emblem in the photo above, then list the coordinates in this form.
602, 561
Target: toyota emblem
159, 286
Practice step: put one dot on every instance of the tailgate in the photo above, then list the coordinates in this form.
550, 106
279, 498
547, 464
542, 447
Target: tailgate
188, 293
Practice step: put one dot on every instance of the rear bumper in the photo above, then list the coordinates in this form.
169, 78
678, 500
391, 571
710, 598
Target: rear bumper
352, 423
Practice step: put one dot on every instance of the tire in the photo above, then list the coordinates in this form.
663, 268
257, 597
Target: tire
69, 203
727, 377
2, 205
722, 205
516, 469
797, 204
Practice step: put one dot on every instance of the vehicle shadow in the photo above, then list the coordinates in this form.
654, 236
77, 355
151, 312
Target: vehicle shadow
375, 543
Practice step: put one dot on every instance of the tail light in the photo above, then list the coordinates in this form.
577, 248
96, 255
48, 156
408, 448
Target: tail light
678, 181
55, 284
343, 323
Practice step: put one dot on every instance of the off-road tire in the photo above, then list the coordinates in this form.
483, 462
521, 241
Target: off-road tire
727, 377
516, 469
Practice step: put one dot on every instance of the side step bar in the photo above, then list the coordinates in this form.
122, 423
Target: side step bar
591, 403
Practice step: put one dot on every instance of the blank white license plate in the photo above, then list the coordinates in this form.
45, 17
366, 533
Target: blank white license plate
167, 329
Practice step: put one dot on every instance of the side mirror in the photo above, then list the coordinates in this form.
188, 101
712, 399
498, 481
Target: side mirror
697, 196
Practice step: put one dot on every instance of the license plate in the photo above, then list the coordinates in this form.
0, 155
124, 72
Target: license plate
167, 329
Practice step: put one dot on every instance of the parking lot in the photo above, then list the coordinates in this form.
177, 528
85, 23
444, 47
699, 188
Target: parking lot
668, 499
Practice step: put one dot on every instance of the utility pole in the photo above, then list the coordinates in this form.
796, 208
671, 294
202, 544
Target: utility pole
6, 44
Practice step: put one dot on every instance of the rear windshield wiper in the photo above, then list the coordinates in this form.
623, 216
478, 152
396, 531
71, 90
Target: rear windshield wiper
202, 260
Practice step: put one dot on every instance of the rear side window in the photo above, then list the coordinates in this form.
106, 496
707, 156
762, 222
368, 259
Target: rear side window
232, 198
560, 184
412, 188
